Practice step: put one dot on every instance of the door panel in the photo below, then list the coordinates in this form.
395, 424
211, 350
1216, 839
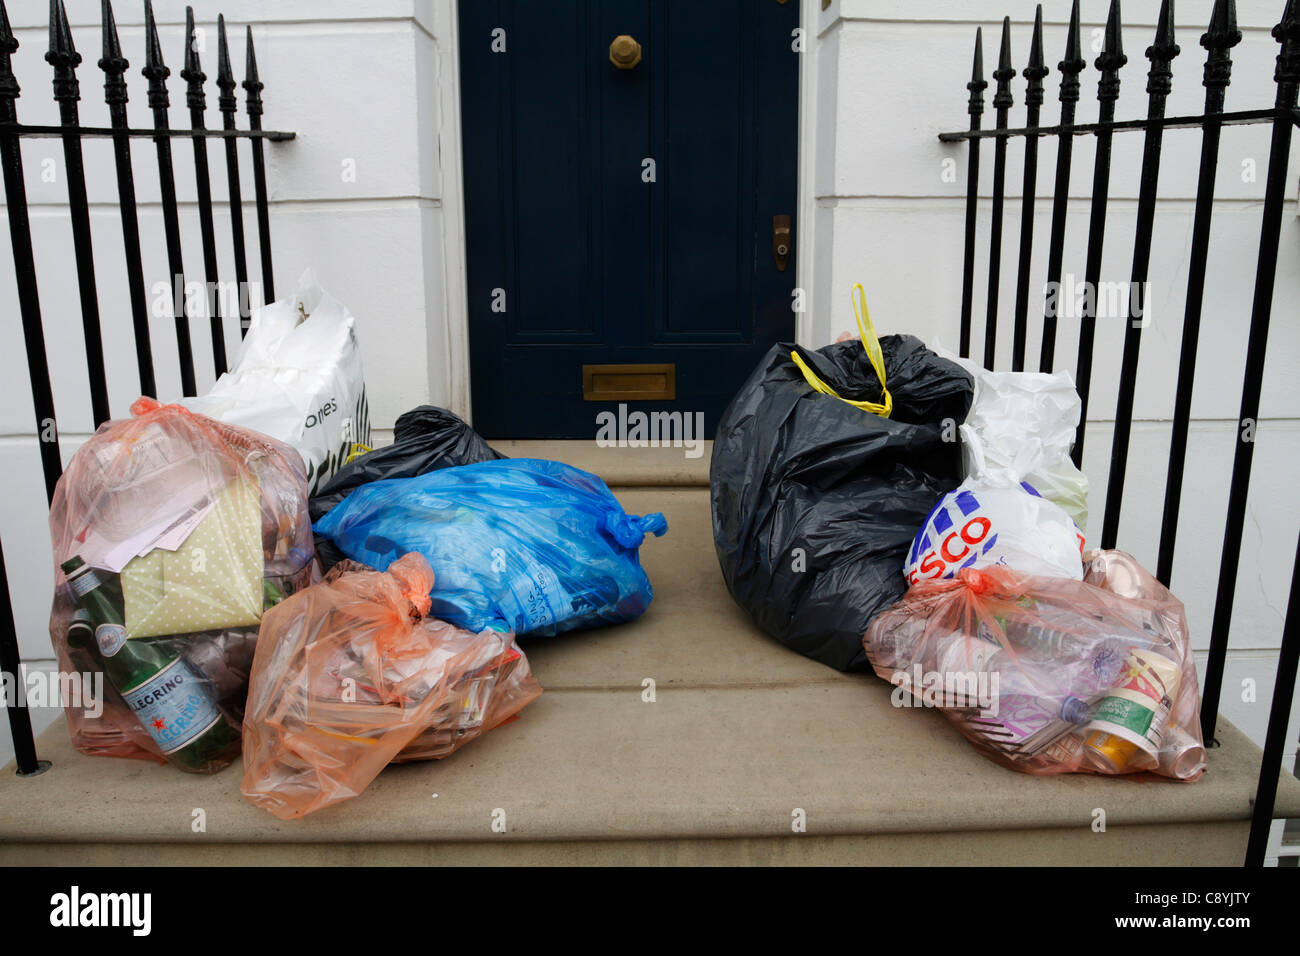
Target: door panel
573, 257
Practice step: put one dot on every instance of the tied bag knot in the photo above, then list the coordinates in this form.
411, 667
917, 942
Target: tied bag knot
875, 355
630, 530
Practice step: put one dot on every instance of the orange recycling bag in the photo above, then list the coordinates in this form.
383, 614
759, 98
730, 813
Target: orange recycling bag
351, 675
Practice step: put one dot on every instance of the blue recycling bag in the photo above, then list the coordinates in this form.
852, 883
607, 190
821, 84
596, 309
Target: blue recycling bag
525, 545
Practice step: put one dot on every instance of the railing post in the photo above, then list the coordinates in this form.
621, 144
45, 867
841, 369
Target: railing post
977, 86
1070, 68
1034, 74
1109, 63
20, 235
156, 72
1002, 102
253, 87
196, 100
114, 66
227, 105
20, 240
64, 57
1159, 83
1221, 36
1287, 76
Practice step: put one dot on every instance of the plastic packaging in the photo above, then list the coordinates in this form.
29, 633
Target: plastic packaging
1050, 675
992, 521
1024, 423
425, 439
299, 379
352, 674
816, 501
529, 546
184, 529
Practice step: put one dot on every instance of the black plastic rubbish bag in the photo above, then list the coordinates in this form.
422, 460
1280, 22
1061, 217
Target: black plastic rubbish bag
816, 502
425, 439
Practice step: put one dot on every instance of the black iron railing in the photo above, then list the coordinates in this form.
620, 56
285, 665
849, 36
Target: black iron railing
64, 58
1218, 40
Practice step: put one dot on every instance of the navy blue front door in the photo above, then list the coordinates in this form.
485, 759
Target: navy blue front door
620, 222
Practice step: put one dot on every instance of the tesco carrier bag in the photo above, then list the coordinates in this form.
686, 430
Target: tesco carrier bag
995, 521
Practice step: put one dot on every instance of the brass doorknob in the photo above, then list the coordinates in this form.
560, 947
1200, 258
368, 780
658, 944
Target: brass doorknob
624, 52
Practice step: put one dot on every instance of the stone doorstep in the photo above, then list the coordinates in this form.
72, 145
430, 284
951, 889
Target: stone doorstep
1215, 844
742, 733
603, 765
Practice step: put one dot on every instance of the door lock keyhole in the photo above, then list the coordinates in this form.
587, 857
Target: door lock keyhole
781, 242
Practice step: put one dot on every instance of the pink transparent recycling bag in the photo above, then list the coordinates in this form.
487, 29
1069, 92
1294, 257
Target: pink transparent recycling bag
1050, 675
231, 497
351, 675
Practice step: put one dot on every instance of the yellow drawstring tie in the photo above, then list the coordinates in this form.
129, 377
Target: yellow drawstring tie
871, 343
357, 451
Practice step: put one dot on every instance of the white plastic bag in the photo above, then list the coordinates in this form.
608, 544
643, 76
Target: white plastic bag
995, 520
1024, 422
298, 378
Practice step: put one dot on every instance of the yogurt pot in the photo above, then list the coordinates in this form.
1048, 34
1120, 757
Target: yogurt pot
1130, 720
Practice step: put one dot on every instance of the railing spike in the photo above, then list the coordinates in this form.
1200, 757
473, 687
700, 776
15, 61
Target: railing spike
153, 55
155, 70
1165, 24
1222, 33
977, 84
1074, 63
61, 33
113, 63
1165, 46
1036, 42
1290, 18
1219, 39
1073, 44
226, 102
1287, 33
1005, 72
1036, 71
193, 74
8, 42
9, 88
1161, 53
1113, 45
62, 55
1112, 56
61, 45
253, 86
191, 47
112, 46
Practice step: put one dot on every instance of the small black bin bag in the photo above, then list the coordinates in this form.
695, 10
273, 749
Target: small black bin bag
815, 502
425, 439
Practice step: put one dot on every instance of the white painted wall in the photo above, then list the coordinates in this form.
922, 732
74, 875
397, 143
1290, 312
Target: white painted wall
376, 84
890, 77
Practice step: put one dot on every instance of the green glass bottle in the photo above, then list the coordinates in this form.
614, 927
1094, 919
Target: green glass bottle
172, 703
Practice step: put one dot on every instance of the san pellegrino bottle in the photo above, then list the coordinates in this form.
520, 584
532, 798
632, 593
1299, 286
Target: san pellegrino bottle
172, 703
